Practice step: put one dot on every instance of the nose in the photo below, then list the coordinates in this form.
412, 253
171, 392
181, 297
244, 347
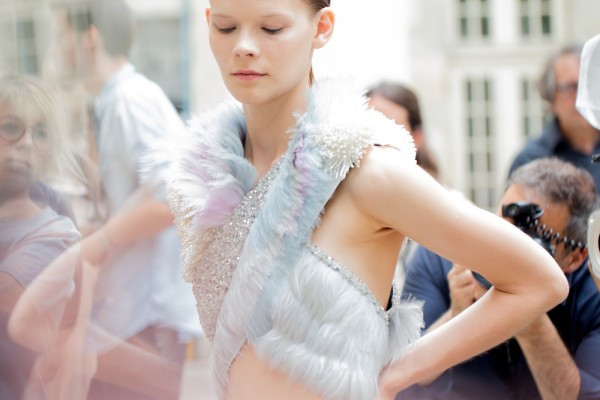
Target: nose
26, 141
246, 45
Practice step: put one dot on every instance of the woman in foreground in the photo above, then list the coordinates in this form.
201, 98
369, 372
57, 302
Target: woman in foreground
292, 208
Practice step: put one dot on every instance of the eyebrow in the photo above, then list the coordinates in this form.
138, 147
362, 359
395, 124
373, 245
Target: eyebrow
266, 16
11, 116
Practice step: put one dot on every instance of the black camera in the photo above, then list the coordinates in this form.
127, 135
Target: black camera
525, 216
522, 213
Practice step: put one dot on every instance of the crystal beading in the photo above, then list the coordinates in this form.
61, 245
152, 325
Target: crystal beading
356, 281
218, 261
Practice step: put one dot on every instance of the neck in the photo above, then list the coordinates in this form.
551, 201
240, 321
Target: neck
583, 138
105, 67
268, 131
19, 207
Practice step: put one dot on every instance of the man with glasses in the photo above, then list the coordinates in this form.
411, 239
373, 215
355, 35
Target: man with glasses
556, 357
567, 135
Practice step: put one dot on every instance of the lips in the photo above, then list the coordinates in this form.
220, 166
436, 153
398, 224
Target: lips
247, 75
17, 164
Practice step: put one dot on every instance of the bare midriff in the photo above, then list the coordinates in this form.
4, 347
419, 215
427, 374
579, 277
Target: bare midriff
250, 378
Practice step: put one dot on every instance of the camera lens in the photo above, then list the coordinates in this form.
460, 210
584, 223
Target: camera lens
511, 210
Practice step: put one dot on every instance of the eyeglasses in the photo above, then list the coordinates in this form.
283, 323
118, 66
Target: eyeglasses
13, 129
567, 87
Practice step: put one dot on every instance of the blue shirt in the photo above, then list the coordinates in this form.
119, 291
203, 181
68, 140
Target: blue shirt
140, 285
27, 247
502, 373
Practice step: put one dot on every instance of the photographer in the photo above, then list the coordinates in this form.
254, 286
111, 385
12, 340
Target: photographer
556, 357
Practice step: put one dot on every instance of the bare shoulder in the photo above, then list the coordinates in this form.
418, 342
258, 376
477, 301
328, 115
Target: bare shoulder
396, 193
387, 179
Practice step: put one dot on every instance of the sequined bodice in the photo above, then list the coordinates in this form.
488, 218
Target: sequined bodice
218, 263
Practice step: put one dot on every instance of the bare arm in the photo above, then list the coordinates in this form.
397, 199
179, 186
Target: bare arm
553, 368
477, 239
142, 218
34, 323
464, 291
10, 291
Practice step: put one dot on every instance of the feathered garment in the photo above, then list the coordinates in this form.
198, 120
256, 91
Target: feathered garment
246, 247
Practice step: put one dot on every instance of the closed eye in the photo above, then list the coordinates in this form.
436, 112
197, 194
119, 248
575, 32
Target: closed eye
225, 30
272, 31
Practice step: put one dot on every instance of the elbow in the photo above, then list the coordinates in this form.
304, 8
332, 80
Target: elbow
15, 330
22, 332
557, 290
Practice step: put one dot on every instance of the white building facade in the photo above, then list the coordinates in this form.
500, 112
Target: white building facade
473, 64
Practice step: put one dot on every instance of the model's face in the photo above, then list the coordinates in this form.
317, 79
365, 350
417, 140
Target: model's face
555, 217
263, 47
23, 148
566, 73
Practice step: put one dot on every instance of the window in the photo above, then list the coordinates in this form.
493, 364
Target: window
532, 115
480, 140
20, 38
159, 51
26, 39
474, 19
536, 18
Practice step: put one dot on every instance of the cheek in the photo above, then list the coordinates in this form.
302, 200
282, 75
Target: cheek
294, 54
219, 49
300, 44
40, 163
4, 150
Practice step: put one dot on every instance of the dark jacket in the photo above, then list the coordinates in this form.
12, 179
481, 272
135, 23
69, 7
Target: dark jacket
552, 143
502, 373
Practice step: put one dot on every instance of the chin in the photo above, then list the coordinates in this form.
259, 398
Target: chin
249, 97
15, 186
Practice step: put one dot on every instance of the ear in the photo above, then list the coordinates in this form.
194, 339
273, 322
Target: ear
207, 15
418, 137
325, 22
574, 260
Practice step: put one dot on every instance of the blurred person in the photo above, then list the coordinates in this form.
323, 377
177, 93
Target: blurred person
292, 204
142, 308
588, 105
567, 135
400, 104
556, 356
32, 232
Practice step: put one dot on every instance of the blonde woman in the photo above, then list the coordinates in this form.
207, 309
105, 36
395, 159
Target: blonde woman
32, 233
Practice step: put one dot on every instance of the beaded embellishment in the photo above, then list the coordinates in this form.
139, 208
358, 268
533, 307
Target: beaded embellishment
355, 281
217, 264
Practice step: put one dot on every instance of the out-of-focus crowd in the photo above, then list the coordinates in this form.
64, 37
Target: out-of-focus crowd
93, 304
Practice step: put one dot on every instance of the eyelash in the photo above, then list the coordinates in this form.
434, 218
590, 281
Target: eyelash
272, 31
226, 30
267, 30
